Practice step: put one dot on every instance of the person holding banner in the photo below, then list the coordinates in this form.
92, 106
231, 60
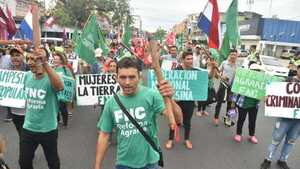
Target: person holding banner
187, 107
227, 73
145, 105
247, 105
284, 128
17, 63
60, 62
5, 63
40, 125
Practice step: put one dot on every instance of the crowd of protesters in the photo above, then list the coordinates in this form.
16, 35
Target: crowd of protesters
40, 126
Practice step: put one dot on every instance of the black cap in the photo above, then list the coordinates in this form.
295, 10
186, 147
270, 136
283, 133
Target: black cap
15, 49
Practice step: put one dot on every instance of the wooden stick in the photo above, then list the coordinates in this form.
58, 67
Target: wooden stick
14, 42
36, 26
155, 63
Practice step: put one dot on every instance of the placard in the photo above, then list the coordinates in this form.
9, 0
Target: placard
283, 100
89, 87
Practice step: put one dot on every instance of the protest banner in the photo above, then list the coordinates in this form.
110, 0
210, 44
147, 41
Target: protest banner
12, 92
252, 83
67, 94
92, 88
283, 100
188, 85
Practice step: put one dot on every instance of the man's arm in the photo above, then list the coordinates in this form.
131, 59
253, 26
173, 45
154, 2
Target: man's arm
54, 78
102, 145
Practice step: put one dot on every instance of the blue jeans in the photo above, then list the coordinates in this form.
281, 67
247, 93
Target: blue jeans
288, 128
149, 166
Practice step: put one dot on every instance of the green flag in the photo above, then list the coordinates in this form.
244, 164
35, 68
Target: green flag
232, 35
232, 25
179, 41
89, 41
103, 43
215, 54
127, 34
224, 52
126, 39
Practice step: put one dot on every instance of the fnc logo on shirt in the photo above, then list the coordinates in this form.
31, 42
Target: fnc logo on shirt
137, 113
35, 93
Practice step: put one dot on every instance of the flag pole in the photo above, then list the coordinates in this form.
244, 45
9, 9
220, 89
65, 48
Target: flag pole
155, 63
36, 26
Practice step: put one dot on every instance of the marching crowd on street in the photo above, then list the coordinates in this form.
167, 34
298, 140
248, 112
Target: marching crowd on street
45, 115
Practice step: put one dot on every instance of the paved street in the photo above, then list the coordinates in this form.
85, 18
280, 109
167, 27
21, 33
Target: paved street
213, 146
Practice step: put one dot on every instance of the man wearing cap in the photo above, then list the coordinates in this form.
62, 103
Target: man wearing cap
17, 63
40, 124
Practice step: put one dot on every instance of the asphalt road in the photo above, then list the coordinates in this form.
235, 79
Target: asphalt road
214, 147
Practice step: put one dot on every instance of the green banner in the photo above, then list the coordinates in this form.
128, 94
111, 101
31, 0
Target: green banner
67, 94
252, 83
188, 85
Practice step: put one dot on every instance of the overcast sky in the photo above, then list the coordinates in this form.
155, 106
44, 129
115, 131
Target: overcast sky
166, 13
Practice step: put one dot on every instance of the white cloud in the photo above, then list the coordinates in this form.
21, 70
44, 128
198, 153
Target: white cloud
166, 13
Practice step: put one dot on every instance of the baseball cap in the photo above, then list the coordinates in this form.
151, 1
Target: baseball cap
16, 49
98, 52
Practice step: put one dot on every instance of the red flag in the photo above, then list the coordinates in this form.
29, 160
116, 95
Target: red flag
11, 25
8, 20
49, 22
170, 39
3, 17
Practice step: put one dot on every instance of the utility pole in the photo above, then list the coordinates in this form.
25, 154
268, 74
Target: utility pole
270, 8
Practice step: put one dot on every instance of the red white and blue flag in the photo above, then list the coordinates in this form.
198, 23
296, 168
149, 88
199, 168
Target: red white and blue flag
26, 27
209, 23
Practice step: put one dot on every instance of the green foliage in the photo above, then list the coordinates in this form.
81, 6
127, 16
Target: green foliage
75, 12
160, 34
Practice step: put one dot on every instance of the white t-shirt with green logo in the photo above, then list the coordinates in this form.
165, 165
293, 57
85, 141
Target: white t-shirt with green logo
41, 104
132, 149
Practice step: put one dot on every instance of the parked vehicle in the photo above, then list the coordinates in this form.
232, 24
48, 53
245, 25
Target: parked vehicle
270, 65
287, 54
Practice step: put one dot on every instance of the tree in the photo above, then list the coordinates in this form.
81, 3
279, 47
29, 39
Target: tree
75, 12
160, 34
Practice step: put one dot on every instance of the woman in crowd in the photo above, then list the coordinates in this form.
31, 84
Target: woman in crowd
60, 64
